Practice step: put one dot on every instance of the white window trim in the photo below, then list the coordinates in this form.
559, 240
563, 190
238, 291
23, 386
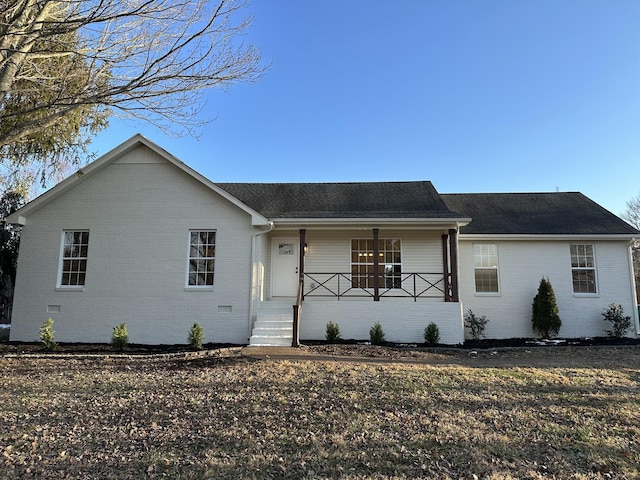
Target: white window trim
595, 273
497, 268
198, 288
70, 288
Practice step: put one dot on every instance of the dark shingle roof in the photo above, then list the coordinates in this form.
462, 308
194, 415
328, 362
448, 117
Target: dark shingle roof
341, 200
535, 213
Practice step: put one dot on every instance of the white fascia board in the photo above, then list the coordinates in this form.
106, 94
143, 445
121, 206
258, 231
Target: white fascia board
426, 223
547, 237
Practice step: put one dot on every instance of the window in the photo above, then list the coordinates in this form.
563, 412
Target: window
389, 262
74, 258
485, 265
583, 269
202, 254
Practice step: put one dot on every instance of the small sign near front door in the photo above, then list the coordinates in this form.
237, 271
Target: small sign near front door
285, 249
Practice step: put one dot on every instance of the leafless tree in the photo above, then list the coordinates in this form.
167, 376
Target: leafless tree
67, 65
632, 215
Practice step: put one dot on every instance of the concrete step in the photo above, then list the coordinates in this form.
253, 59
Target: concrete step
270, 340
274, 325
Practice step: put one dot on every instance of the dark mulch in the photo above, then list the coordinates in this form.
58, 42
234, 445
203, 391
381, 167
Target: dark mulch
103, 348
139, 349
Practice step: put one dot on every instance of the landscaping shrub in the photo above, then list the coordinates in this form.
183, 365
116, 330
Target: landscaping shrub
120, 337
196, 336
47, 335
620, 323
333, 332
376, 334
476, 325
545, 318
432, 334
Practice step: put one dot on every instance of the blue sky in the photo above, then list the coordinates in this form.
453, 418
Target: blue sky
474, 95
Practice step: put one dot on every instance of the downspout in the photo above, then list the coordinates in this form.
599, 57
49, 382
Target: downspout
633, 287
254, 238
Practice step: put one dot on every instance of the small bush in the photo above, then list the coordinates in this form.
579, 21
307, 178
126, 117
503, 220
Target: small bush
545, 318
333, 332
432, 334
196, 336
120, 337
475, 324
619, 323
376, 334
47, 335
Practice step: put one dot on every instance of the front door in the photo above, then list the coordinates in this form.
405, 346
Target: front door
284, 267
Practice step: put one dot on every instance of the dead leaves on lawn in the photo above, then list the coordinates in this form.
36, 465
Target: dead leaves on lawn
154, 417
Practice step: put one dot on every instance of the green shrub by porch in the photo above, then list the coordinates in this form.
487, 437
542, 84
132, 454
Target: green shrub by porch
333, 332
432, 334
476, 325
545, 318
376, 334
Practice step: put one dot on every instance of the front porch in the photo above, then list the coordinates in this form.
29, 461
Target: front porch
402, 278
402, 321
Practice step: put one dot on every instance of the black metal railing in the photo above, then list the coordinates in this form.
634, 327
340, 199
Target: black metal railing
405, 285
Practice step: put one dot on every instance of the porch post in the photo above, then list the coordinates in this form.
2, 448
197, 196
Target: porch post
376, 277
445, 268
453, 253
303, 233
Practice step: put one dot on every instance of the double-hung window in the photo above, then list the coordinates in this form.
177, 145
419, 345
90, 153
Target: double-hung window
75, 249
389, 263
485, 266
202, 257
583, 268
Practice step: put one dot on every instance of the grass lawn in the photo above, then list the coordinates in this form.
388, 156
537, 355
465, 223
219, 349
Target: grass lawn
240, 417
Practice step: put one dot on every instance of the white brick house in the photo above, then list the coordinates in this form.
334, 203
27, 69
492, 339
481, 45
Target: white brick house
141, 238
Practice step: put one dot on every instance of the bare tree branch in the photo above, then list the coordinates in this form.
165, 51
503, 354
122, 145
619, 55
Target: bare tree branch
147, 59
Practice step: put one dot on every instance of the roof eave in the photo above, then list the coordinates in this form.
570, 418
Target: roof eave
360, 221
549, 237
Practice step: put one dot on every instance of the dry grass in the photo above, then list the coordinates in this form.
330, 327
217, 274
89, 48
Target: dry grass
159, 417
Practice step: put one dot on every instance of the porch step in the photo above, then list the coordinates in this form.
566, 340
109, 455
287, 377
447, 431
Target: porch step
274, 325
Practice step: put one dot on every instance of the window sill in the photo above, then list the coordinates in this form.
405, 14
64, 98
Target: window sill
586, 295
488, 294
69, 289
198, 289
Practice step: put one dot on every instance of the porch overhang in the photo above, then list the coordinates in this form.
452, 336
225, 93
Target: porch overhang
368, 223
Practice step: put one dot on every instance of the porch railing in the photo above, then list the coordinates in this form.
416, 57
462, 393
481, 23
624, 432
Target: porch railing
405, 285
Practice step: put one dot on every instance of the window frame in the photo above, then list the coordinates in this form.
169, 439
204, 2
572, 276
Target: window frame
190, 258
395, 276
73, 258
575, 269
490, 267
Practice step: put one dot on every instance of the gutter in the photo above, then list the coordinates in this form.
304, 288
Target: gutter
636, 314
254, 238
